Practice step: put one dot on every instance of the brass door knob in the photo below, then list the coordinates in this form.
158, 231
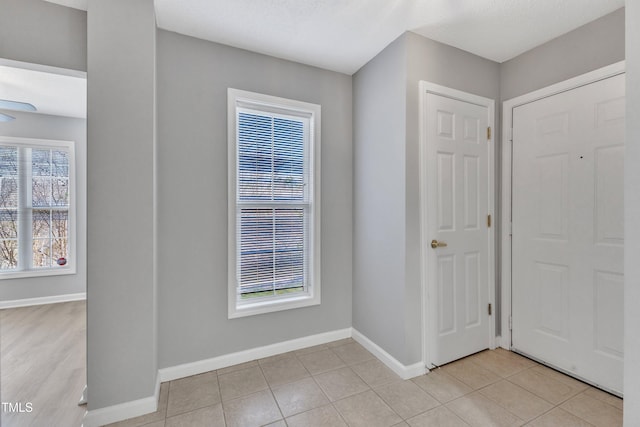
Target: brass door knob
436, 244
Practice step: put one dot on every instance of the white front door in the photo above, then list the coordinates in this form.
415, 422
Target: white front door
457, 205
567, 288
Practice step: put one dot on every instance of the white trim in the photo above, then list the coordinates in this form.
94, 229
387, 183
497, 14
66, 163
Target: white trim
45, 272
219, 362
403, 371
498, 341
83, 398
507, 139
43, 68
123, 411
54, 299
243, 99
428, 87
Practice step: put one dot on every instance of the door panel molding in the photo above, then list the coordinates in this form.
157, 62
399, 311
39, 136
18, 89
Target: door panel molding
506, 177
444, 219
564, 190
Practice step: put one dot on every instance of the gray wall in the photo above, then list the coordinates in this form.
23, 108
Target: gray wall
584, 49
632, 220
121, 291
454, 68
44, 126
193, 77
379, 106
43, 33
387, 282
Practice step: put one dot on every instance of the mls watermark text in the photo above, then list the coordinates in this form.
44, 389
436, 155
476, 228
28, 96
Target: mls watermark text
17, 407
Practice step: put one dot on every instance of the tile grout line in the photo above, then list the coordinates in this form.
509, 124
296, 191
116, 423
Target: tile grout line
273, 396
321, 390
554, 405
300, 379
371, 388
194, 409
542, 397
601, 400
579, 394
479, 390
224, 413
508, 379
166, 410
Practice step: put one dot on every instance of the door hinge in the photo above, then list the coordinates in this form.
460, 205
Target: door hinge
489, 309
489, 133
510, 323
489, 221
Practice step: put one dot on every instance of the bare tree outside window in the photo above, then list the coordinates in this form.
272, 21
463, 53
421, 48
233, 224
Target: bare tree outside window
50, 201
34, 186
8, 208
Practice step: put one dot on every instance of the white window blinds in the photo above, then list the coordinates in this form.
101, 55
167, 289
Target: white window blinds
273, 200
274, 203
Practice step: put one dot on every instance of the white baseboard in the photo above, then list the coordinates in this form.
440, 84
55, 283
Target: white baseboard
501, 344
123, 411
43, 300
201, 366
403, 371
83, 398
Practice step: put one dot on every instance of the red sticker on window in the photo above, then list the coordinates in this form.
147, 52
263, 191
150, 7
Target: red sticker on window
61, 261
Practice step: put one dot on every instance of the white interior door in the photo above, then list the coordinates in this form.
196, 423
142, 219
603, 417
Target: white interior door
567, 285
457, 160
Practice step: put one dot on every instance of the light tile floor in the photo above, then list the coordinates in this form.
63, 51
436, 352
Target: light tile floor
342, 384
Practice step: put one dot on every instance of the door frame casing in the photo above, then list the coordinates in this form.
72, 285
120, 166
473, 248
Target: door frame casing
507, 179
428, 329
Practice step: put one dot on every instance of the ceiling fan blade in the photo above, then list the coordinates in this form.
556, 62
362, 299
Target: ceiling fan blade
6, 118
15, 105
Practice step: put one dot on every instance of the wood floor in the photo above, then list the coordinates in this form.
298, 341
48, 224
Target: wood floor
43, 362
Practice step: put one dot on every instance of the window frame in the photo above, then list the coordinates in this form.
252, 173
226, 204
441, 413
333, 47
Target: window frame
71, 266
244, 100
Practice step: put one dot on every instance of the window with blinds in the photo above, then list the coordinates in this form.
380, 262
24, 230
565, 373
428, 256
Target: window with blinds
36, 200
274, 216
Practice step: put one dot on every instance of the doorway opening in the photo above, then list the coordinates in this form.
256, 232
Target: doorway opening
43, 261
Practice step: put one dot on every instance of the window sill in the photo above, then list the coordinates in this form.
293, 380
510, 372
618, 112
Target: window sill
37, 273
270, 306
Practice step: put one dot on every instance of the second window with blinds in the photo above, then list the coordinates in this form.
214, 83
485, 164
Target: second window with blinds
274, 203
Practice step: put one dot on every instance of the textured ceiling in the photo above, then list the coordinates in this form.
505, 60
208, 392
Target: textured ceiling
343, 35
